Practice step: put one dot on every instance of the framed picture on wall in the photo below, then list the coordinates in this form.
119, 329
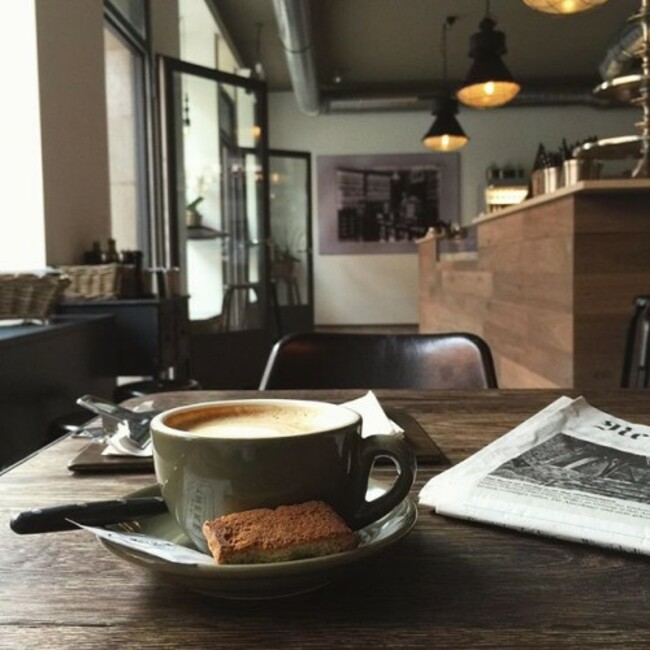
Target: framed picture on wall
378, 204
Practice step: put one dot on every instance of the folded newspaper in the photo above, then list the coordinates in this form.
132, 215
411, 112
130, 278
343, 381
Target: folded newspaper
570, 471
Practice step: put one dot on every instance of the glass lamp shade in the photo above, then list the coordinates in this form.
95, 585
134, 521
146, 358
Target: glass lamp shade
445, 134
563, 6
445, 143
489, 83
488, 94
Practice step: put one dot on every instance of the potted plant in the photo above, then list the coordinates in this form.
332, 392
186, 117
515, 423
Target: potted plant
192, 215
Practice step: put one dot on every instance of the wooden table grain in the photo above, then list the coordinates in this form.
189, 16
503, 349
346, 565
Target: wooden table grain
449, 584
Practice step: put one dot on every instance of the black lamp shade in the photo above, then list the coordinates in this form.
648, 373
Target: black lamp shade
445, 134
489, 83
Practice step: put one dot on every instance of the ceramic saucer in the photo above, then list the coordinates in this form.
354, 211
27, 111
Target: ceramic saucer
256, 581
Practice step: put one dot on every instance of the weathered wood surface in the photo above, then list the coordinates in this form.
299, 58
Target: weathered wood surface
552, 287
449, 584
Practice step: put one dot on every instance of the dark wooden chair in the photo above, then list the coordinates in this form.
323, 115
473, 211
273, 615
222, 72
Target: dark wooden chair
314, 360
637, 346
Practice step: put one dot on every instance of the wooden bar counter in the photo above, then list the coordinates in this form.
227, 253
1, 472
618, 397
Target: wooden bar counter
550, 285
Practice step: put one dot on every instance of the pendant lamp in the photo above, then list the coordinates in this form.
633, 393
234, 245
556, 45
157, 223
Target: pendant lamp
445, 134
563, 6
489, 83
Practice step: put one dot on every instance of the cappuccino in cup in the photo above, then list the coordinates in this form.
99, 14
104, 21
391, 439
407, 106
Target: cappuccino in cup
255, 420
215, 458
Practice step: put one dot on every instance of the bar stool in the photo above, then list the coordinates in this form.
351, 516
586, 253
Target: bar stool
70, 422
637, 346
149, 386
236, 304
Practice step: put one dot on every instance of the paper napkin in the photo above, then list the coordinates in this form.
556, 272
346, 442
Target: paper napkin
375, 421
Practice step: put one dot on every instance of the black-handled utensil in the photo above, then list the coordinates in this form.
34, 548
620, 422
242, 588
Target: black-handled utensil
137, 423
91, 513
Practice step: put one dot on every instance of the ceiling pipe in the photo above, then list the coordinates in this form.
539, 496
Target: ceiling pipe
294, 23
559, 97
540, 96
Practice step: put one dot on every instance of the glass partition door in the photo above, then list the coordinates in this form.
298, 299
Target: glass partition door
291, 268
217, 204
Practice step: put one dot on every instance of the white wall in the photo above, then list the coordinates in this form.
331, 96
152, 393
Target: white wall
383, 289
73, 126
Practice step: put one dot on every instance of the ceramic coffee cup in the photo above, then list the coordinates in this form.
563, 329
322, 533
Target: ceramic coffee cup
215, 458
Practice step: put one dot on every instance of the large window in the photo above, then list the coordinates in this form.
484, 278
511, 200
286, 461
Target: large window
125, 49
201, 39
133, 12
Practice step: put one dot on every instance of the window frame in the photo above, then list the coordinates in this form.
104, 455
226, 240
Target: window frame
141, 46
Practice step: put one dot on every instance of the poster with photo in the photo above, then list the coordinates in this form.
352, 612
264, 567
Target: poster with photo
378, 204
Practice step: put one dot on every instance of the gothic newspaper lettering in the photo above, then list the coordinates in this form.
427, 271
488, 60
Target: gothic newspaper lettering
570, 471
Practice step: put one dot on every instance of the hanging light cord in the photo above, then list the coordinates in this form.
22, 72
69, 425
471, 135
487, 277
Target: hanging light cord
258, 45
446, 26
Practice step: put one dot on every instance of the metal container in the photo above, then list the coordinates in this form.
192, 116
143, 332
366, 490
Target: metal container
551, 179
579, 169
545, 180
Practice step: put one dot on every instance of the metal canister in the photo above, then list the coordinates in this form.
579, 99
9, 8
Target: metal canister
551, 179
575, 170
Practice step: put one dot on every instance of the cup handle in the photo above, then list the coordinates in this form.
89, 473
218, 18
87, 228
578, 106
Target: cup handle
372, 448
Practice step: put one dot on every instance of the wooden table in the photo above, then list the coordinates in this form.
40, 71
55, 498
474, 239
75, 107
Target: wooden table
449, 584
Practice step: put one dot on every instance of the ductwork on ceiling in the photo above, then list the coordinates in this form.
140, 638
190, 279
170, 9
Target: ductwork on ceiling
558, 96
294, 23
549, 96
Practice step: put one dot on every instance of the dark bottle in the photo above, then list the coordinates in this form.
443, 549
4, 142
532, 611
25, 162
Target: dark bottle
540, 158
95, 255
111, 256
139, 280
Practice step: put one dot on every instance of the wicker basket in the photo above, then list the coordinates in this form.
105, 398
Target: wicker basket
95, 281
29, 297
